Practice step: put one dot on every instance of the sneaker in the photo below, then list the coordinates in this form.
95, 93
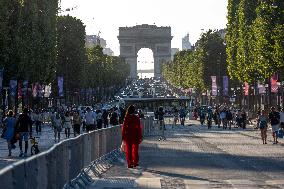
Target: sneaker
25, 155
130, 166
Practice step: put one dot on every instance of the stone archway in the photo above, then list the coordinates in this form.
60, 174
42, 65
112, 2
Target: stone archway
158, 39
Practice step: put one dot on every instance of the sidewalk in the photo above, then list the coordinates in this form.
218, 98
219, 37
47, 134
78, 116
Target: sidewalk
195, 157
46, 141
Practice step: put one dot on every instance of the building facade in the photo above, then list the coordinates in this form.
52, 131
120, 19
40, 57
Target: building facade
186, 45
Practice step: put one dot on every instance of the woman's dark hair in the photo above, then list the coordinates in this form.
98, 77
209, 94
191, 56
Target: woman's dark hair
10, 113
131, 109
67, 113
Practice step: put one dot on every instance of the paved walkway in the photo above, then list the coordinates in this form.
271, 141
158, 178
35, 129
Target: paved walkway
195, 157
46, 141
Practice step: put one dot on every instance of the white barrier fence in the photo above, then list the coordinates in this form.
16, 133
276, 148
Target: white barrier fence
54, 168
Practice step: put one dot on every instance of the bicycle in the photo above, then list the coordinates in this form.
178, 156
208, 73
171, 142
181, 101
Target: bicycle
34, 148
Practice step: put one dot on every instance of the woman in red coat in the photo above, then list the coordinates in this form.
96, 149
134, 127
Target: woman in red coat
131, 136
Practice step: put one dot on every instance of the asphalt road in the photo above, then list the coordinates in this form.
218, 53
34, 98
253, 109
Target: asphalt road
195, 157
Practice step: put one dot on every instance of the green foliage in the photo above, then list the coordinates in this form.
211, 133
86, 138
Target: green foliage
28, 39
211, 54
72, 56
193, 69
9, 37
255, 39
104, 71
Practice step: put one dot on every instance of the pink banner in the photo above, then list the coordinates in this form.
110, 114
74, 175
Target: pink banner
274, 86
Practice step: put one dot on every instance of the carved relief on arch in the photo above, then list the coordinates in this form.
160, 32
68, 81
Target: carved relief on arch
163, 49
129, 50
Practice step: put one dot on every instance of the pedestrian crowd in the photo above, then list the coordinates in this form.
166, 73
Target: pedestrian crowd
23, 127
226, 117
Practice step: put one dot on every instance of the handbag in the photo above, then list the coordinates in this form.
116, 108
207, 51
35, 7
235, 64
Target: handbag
280, 133
122, 146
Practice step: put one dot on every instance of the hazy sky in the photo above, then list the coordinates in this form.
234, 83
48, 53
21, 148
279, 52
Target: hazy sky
184, 16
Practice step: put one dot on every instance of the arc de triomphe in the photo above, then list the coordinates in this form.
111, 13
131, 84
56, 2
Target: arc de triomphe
158, 39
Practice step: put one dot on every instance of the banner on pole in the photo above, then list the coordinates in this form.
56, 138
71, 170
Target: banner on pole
214, 85
60, 86
246, 89
25, 88
274, 86
47, 91
35, 89
13, 87
1, 79
261, 88
225, 85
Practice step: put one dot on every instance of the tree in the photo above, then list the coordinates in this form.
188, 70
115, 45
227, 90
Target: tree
72, 59
38, 40
268, 29
232, 36
247, 72
103, 71
255, 39
9, 41
211, 56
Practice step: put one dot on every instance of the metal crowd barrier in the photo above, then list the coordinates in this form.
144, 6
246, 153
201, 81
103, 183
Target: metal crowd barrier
70, 163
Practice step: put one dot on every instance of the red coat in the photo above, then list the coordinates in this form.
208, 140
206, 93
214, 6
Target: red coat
131, 129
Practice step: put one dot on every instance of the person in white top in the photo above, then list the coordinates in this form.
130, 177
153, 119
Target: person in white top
57, 126
67, 124
90, 118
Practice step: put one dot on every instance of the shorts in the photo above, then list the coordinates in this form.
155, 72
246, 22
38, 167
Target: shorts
275, 128
24, 136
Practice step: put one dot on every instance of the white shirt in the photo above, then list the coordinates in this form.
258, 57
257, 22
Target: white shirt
281, 117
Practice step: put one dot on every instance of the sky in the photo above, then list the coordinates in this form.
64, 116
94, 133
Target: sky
184, 16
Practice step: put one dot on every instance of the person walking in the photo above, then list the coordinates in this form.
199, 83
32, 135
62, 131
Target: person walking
67, 123
263, 120
274, 118
38, 121
175, 114
89, 120
131, 137
122, 114
22, 127
244, 119
57, 126
113, 120
161, 122
282, 118
229, 117
223, 118
216, 117
77, 121
9, 123
105, 118
99, 119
